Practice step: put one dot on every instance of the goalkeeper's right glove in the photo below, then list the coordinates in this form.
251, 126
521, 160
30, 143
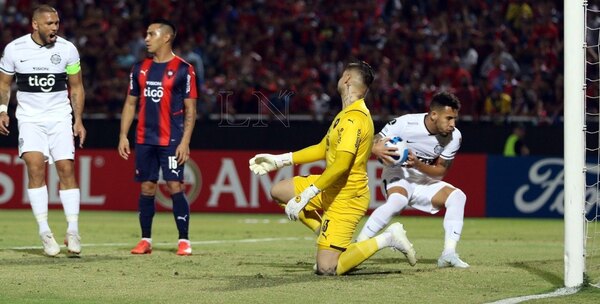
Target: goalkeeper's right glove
297, 203
264, 163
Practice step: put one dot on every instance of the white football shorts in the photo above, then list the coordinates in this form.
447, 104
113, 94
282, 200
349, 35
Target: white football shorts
53, 138
419, 194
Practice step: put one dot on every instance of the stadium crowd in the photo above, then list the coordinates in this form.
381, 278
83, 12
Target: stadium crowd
501, 58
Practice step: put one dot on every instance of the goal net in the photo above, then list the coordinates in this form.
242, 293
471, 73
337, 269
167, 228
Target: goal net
591, 49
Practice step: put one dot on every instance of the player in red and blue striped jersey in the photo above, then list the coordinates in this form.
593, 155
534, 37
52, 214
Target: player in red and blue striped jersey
164, 87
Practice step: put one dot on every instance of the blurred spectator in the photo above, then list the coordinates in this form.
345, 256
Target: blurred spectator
190, 55
456, 74
499, 59
471, 47
469, 56
470, 99
525, 98
518, 11
320, 103
515, 143
498, 104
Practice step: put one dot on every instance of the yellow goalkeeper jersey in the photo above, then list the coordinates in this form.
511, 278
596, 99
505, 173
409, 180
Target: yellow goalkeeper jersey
351, 131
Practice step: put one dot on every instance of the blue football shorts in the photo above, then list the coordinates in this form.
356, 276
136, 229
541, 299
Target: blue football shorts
149, 159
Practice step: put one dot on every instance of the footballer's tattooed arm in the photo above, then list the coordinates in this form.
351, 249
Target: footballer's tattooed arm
183, 149
378, 137
189, 120
5, 81
446, 163
438, 169
77, 96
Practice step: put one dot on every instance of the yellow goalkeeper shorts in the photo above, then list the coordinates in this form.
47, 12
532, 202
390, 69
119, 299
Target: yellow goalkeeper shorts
340, 215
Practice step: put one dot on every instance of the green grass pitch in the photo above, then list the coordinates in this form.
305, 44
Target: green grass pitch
252, 258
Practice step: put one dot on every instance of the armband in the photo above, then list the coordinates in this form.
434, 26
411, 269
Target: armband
73, 68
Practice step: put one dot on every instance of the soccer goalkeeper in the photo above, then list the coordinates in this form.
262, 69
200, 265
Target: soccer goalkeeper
341, 192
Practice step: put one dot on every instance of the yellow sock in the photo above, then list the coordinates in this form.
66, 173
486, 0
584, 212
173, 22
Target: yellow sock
310, 219
355, 254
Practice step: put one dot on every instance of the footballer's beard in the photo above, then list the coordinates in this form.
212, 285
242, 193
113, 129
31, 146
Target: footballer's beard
446, 132
48, 39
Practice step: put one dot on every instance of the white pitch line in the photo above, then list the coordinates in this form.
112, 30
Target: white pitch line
212, 242
565, 291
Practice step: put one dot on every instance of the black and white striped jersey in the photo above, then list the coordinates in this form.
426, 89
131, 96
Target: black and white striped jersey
41, 77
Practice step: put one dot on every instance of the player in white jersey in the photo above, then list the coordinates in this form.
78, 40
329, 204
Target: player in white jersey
44, 65
433, 141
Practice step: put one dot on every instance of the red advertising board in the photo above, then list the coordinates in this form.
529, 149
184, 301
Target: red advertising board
468, 172
216, 181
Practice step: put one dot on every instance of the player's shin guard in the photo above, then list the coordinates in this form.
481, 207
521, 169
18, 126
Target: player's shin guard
355, 254
382, 216
181, 213
146, 209
453, 220
70, 200
38, 198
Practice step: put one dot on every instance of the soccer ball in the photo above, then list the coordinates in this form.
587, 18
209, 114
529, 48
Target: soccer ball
402, 150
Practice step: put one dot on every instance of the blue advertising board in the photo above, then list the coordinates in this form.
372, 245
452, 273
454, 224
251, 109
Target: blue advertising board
531, 187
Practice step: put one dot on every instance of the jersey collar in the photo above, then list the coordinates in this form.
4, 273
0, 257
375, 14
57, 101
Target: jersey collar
425, 124
40, 45
356, 105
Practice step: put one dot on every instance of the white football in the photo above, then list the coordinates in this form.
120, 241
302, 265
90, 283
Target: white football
402, 150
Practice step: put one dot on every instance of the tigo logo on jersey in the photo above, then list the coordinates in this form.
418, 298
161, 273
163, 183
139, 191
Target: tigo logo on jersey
44, 83
153, 90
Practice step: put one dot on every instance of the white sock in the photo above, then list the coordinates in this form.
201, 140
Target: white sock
384, 240
382, 216
149, 240
70, 201
38, 198
453, 220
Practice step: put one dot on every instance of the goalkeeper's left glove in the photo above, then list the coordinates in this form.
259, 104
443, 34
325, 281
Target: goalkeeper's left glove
296, 204
263, 163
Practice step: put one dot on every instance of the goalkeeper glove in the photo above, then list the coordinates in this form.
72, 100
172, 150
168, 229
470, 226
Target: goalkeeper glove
263, 163
296, 204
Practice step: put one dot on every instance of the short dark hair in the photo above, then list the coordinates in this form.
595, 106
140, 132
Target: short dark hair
364, 69
165, 22
445, 99
44, 8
